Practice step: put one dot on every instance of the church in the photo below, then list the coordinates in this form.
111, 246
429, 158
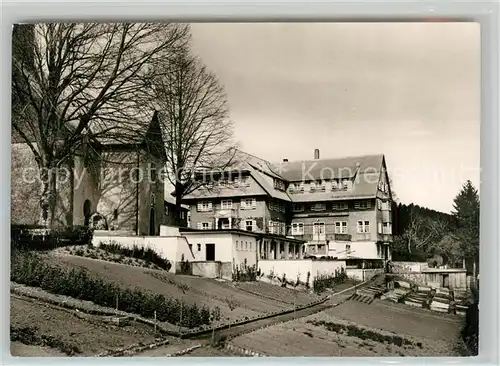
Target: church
117, 182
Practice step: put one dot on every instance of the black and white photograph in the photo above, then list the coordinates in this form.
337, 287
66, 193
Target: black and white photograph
281, 189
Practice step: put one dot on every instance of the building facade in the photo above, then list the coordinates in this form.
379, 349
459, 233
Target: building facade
117, 180
341, 208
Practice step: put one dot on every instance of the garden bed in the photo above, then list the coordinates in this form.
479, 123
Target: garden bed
39, 325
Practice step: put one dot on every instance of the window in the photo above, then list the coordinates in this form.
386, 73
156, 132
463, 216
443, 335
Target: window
226, 204
381, 186
115, 214
335, 184
379, 227
237, 245
279, 184
341, 206
318, 207
204, 206
246, 245
340, 227
348, 248
363, 227
321, 185
312, 186
249, 225
345, 183
319, 231
298, 228
248, 203
199, 247
297, 207
387, 228
204, 226
362, 204
297, 187
380, 204
386, 205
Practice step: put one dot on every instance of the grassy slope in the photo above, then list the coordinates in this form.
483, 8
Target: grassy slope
205, 291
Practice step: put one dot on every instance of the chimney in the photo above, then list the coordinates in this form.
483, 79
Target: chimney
285, 160
316, 154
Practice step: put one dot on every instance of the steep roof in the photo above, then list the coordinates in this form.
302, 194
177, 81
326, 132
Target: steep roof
363, 170
346, 167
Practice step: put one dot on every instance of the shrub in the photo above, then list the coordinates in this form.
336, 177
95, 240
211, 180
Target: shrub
28, 268
245, 273
146, 254
322, 282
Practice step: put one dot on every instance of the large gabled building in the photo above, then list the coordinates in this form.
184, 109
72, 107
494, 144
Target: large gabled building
341, 208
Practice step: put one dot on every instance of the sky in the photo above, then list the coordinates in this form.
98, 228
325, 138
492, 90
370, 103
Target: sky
408, 90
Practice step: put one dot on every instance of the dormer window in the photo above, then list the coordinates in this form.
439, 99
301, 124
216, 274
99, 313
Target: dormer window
346, 183
312, 186
279, 184
335, 184
321, 185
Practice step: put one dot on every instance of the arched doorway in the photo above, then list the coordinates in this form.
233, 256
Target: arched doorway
152, 226
86, 212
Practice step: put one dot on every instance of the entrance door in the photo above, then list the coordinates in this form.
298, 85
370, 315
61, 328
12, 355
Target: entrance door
152, 228
210, 252
319, 231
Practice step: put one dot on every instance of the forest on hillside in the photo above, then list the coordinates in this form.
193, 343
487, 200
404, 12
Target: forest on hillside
422, 234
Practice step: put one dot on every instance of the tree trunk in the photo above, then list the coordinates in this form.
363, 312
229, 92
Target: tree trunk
178, 206
48, 195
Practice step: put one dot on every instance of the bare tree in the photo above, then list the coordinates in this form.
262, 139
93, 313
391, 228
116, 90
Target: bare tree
73, 82
422, 232
193, 113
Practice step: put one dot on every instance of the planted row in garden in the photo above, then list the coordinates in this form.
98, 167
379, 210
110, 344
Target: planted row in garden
146, 254
28, 268
354, 331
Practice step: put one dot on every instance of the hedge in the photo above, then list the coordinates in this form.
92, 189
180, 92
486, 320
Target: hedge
29, 269
146, 254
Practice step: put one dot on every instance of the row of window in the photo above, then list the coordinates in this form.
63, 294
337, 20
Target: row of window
276, 206
363, 226
277, 227
245, 204
228, 182
244, 246
321, 185
248, 225
337, 206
